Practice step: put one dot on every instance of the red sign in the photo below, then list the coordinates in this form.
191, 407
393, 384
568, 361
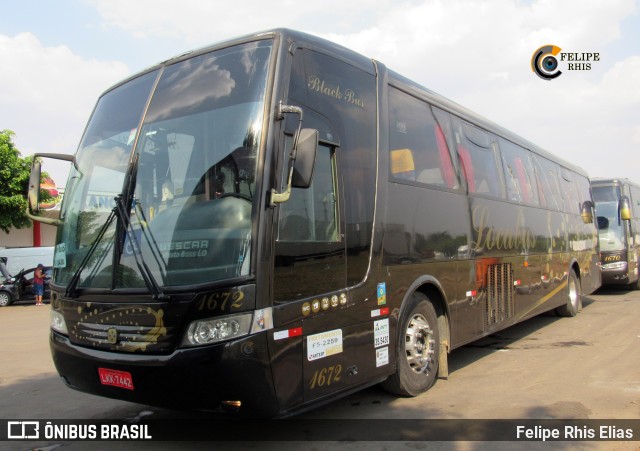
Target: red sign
116, 378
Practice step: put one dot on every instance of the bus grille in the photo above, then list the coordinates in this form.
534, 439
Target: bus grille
138, 328
500, 298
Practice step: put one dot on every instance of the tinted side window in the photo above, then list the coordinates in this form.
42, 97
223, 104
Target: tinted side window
418, 148
569, 190
584, 188
311, 214
548, 184
519, 174
478, 160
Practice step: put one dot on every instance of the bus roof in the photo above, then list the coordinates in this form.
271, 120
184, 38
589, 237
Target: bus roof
603, 181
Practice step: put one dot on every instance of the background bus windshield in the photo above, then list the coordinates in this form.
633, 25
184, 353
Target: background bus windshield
610, 228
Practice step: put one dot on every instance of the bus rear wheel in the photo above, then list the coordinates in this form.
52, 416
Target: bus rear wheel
574, 297
418, 350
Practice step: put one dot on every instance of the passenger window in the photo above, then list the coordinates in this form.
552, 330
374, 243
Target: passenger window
548, 184
519, 174
569, 192
419, 151
478, 160
311, 214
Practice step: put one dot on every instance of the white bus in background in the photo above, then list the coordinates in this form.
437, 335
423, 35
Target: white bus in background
19, 258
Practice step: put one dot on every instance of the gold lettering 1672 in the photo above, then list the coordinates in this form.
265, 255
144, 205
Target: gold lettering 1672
325, 376
220, 300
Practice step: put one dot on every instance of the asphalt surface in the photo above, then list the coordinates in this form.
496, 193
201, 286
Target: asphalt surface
586, 368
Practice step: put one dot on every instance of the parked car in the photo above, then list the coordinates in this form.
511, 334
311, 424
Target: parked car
20, 286
19, 258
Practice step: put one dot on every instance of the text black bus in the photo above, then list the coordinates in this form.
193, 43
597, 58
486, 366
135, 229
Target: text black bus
276, 221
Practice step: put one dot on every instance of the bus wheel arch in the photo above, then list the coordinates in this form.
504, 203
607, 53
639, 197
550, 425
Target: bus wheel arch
422, 342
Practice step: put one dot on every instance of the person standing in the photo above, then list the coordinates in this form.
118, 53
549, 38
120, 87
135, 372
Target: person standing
38, 283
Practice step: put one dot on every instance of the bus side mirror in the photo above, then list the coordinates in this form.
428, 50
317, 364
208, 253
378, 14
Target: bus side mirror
305, 158
625, 208
586, 212
301, 164
33, 193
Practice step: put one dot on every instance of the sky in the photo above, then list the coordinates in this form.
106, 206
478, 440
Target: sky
58, 56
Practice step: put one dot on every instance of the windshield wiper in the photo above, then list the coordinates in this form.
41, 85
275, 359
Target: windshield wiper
147, 276
70, 292
145, 272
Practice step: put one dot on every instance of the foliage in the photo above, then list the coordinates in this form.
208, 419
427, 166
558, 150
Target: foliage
14, 182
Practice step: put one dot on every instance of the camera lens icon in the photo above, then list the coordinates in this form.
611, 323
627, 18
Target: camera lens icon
549, 63
544, 63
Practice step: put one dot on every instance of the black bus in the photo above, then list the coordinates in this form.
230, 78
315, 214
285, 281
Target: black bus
276, 221
617, 203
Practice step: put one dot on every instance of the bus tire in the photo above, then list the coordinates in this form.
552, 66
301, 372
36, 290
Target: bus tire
574, 297
417, 351
634, 285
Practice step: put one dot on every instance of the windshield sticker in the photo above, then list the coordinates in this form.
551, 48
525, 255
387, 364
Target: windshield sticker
324, 344
346, 95
60, 256
185, 249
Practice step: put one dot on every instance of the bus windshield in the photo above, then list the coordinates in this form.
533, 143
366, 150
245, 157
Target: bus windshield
610, 228
164, 183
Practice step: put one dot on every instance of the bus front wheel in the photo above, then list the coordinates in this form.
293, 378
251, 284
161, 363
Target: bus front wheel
574, 297
417, 351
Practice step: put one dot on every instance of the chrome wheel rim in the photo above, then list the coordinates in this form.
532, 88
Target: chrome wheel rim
573, 292
4, 299
419, 343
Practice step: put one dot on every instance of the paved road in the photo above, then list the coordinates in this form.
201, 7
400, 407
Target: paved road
587, 367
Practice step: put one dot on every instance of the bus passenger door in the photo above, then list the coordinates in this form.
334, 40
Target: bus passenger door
309, 282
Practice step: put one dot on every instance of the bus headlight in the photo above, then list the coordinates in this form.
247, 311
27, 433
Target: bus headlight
616, 265
214, 330
58, 323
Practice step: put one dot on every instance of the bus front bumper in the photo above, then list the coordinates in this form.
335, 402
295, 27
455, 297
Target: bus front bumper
231, 376
617, 274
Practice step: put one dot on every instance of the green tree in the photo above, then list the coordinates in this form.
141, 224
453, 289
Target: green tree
14, 182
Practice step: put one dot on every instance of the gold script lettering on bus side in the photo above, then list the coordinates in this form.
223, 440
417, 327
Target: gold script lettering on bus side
317, 84
488, 237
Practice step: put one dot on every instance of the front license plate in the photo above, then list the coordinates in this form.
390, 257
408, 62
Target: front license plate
116, 378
